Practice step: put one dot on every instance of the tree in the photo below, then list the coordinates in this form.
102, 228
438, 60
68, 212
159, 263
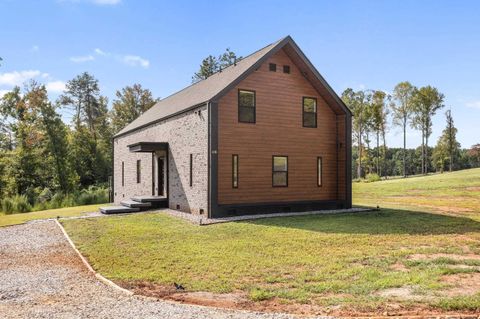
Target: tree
91, 139
82, 95
453, 146
357, 103
402, 110
379, 113
211, 64
426, 102
130, 103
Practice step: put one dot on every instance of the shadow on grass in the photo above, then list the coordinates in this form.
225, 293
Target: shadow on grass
382, 222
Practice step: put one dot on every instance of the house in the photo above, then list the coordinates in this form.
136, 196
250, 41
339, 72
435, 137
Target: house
267, 134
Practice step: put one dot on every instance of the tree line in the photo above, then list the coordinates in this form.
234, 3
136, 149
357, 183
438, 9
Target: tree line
41, 156
408, 107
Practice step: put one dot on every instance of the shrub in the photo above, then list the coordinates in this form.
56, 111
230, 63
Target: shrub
21, 204
372, 177
44, 196
7, 205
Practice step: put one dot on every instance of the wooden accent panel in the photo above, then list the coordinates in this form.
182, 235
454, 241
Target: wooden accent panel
278, 131
342, 147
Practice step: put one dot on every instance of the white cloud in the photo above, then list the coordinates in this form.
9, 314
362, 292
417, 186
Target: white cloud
55, 86
81, 59
135, 60
18, 77
106, 2
474, 104
35, 48
100, 52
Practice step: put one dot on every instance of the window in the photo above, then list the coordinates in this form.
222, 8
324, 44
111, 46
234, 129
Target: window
246, 106
319, 171
286, 69
139, 168
309, 112
235, 171
191, 170
123, 173
272, 67
280, 171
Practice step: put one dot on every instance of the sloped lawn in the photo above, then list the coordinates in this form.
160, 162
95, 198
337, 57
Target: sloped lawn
312, 264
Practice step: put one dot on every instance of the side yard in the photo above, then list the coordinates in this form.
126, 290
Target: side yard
13, 219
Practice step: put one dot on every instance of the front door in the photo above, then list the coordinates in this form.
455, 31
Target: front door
161, 176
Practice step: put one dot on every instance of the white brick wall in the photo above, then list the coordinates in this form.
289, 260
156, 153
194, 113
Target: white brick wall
186, 134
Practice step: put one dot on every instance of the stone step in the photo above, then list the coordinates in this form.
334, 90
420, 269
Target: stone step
118, 209
133, 204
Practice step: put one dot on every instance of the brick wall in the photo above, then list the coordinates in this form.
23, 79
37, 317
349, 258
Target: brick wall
186, 134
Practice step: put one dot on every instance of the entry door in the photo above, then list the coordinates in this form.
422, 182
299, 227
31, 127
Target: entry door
161, 176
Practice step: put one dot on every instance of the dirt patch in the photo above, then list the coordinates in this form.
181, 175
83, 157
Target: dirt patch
399, 267
447, 209
442, 255
473, 188
463, 284
402, 293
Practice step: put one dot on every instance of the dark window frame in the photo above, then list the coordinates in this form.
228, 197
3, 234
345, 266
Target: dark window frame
235, 170
123, 173
319, 171
286, 69
191, 170
303, 111
139, 171
272, 67
274, 171
254, 106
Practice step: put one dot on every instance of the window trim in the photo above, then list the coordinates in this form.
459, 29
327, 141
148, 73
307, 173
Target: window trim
272, 67
139, 171
273, 171
303, 111
319, 171
254, 106
191, 169
235, 170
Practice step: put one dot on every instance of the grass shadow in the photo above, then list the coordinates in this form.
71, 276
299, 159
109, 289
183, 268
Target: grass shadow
382, 222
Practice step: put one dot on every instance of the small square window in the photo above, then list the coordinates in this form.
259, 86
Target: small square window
272, 67
286, 69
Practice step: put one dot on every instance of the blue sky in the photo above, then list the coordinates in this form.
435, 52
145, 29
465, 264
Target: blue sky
358, 44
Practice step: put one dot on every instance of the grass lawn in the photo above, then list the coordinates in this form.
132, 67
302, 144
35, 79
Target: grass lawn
423, 253
7, 220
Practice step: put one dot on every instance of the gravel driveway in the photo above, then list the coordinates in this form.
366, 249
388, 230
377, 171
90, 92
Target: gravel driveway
42, 277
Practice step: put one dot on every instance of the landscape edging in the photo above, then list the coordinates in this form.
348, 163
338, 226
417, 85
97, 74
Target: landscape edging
89, 267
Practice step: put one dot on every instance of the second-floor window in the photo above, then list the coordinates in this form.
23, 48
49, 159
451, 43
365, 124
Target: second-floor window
309, 112
246, 106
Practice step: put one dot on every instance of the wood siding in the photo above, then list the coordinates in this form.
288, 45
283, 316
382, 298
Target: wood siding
278, 131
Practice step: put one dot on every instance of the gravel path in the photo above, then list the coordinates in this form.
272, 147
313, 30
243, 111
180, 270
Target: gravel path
42, 277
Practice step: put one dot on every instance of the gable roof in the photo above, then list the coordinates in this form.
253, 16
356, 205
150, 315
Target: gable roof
219, 83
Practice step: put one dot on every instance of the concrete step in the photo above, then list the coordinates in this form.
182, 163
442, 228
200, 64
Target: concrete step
118, 209
133, 204
151, 199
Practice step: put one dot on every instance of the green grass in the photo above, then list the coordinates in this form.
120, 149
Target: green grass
7, 220
323, 260
456, 192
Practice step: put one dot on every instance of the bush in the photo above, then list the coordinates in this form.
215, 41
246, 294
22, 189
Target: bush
46, 200
7, 205
372, 177
21, 204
